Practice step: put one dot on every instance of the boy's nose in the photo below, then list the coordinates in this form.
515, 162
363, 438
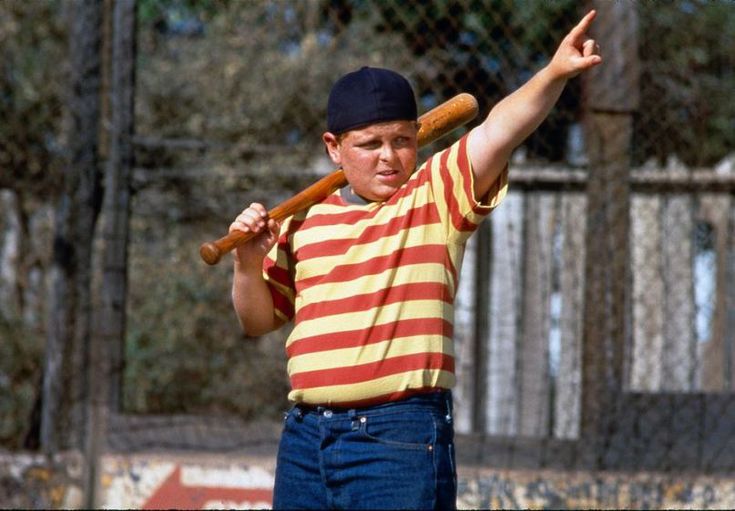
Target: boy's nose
386, 152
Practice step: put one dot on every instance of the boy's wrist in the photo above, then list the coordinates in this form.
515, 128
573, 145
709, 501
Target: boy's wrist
553, 73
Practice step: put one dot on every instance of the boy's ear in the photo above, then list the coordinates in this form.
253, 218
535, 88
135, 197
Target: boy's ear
331, 145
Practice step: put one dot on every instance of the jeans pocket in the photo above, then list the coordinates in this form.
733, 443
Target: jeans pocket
414, 431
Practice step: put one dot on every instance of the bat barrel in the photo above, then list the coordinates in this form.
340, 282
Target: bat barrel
447, 117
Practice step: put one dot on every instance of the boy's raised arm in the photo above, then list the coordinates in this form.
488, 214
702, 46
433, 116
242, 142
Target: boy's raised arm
514, 118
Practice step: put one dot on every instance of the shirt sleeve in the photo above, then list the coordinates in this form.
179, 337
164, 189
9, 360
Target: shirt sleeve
279, 275
452, 182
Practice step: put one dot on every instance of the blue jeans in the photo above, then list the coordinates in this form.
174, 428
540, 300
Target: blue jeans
391, 456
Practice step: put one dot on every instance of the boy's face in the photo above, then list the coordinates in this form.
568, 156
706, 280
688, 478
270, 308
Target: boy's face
377, 159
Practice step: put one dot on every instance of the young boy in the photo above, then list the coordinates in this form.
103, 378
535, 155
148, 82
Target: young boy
369, 277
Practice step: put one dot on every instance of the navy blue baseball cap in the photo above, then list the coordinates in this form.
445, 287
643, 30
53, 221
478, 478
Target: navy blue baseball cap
367, 96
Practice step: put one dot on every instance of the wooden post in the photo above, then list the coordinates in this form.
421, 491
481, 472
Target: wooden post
106, 353
612, 96
64, 392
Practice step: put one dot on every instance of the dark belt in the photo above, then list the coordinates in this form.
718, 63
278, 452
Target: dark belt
431, 396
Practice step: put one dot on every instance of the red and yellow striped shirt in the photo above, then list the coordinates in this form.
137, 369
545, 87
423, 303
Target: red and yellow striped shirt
371, 287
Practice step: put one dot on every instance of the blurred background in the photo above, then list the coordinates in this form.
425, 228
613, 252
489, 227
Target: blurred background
596, 315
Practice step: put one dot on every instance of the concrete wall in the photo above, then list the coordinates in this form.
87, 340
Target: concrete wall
206, 481
34, 481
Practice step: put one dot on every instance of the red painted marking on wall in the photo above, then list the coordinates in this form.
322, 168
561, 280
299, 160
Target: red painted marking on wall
172, 494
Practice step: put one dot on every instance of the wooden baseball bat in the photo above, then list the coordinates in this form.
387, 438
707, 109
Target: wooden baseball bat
435, 123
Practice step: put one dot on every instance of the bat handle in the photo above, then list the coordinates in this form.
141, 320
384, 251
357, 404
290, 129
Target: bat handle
212, 251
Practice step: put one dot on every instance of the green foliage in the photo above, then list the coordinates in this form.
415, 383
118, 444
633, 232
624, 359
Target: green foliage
687, 81
32, 70
32, 57
185, 352
152, 12
21, 353
257, 83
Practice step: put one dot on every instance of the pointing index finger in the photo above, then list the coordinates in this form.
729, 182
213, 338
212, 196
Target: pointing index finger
583, 24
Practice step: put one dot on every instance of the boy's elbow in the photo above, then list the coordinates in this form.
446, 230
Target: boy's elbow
254, 332
253, 329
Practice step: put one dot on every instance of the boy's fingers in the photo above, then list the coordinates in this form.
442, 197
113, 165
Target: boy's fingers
238, 226
588, 47
587, 62
259, 208
248, 220
273, 226
583, 24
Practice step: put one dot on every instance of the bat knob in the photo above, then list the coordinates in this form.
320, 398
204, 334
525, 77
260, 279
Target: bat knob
211, 254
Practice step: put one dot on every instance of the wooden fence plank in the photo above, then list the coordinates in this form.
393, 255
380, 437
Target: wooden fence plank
679, 354
465, 339
571, 281
728, 282
533, 361
718, 449
504, 286
647, 294
10, 251
714, 367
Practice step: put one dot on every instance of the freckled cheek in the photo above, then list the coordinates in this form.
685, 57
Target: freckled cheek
358, 177
409, 164
362, 165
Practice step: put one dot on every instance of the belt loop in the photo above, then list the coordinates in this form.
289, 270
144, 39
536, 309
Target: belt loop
352, 414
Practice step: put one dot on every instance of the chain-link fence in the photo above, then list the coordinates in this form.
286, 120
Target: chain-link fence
252, 113
574, 321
